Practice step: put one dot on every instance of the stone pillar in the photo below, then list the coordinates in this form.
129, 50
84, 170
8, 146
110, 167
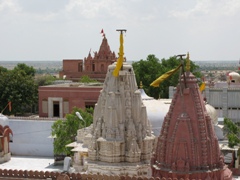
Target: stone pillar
225, 102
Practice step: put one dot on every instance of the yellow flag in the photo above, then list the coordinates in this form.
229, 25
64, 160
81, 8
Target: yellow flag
120, 58
163, 77
202, 87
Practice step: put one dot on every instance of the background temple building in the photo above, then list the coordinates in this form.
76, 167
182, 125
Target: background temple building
223, 96
59, 99
188, 146
93, 66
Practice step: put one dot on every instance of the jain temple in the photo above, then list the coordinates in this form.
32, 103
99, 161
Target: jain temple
124, 141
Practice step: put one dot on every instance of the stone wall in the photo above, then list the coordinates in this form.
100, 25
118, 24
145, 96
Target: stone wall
38, 175
31, 136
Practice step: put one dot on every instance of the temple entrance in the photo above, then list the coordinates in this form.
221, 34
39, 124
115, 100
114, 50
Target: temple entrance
56, 109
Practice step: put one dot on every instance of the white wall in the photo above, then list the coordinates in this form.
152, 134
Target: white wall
30, 137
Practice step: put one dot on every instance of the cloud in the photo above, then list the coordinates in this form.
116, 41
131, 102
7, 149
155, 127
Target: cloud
213, 8
94, 8
9, 5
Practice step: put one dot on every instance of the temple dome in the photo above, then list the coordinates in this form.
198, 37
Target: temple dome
234, 74
156, 111
233, 77
212, 113
3, 120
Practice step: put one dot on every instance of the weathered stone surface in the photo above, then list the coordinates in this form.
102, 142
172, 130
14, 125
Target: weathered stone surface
188, 146
121, 136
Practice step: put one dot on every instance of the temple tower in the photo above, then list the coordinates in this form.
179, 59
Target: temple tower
188, 146
99, 62
95, 65
121, 141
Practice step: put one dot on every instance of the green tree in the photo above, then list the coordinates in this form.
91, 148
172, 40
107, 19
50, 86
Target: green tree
87, 79
21, 67
65, 131
150, 69
233, 132
147, 71
3, 69
44, 80
19, 88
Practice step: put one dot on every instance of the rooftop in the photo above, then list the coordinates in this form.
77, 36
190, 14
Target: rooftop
36, 164
31, 163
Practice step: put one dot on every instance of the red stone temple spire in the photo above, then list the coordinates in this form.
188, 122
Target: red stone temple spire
188, 146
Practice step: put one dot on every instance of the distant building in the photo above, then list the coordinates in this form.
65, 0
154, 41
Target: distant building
224, 96
58, 100
93, 66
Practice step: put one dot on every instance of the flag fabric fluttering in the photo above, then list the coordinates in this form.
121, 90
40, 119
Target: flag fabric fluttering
102, 32
120, 58
202, 87
163, 77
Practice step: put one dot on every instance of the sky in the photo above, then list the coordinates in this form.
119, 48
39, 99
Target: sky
69, 29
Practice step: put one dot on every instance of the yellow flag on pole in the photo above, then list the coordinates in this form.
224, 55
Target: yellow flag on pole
163, 77
120, 58
202, 87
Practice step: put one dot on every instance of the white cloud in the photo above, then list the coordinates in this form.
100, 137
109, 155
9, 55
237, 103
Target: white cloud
9, 5
95, 8
58, 29
214, 8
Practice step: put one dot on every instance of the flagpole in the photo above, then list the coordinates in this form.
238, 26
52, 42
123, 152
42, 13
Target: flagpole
119, 65
121, 32
5, 107
181, 60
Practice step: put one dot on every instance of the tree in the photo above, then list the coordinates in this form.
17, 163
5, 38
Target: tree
18, 87
147, 71
233, 132
21, 67
65, 131
3, 70
87, 79
150, 69
44, 80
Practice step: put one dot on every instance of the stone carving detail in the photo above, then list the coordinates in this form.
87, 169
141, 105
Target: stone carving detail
188, 144
121, 131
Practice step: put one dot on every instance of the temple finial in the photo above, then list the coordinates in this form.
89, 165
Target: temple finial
188, 63
141, 85
120, 54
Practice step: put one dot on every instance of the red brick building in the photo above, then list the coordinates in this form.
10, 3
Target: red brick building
93, 66
58, 100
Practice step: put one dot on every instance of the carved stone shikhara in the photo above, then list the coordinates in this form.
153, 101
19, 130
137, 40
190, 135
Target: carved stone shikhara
121, 136
188, 146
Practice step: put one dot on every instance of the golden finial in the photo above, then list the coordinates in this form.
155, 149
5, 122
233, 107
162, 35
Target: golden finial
188, 63
141, 85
